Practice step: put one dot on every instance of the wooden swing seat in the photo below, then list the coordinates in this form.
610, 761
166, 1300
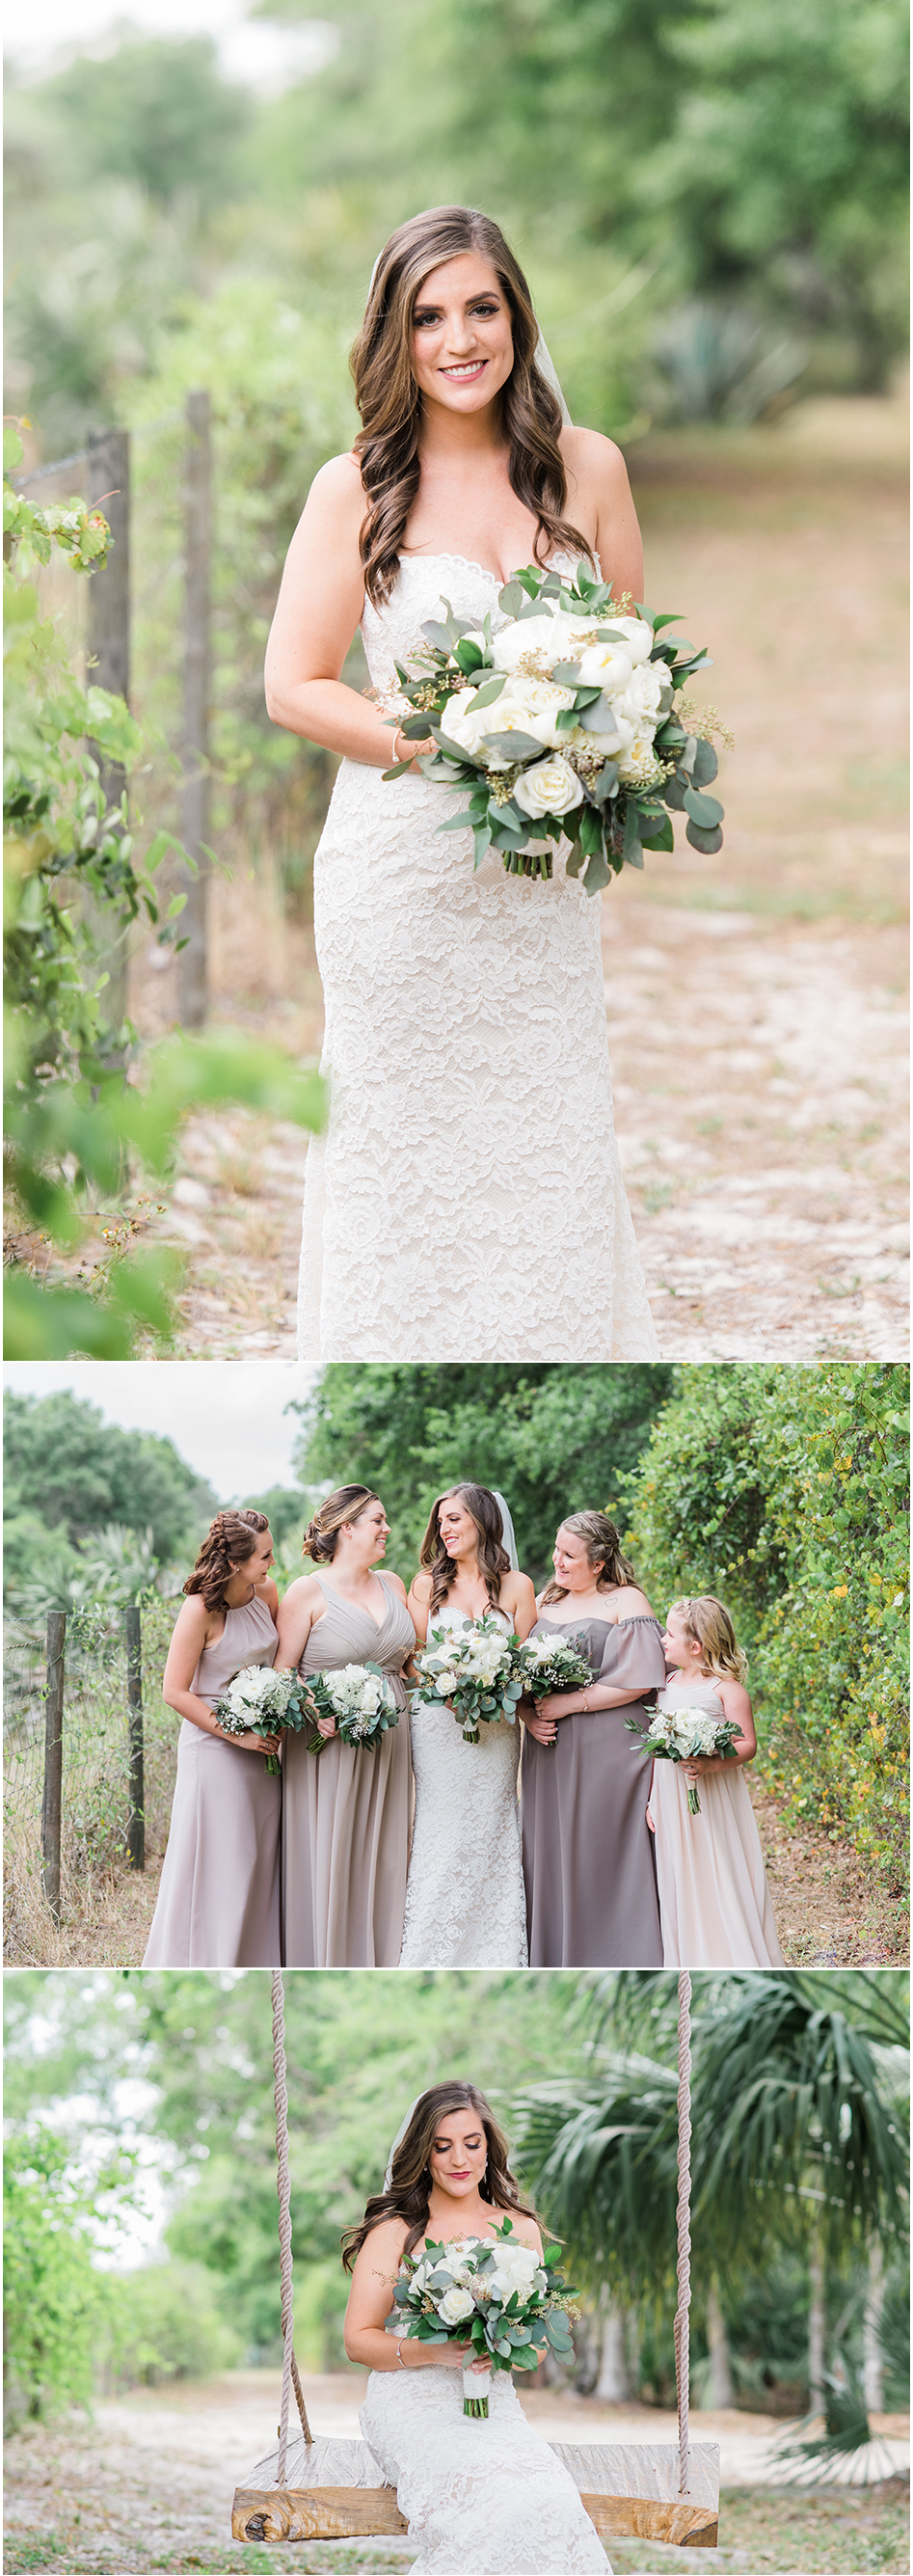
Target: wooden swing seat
629, 2490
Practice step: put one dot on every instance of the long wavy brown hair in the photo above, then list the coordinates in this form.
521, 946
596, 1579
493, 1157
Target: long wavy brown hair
409, 2195
230, 1540
603, 1549
493, 1558
388, 397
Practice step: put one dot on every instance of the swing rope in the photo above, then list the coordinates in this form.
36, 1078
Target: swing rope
683, 2223
290, 2378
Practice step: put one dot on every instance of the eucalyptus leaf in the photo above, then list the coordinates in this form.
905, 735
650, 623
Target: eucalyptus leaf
700, 840
598, 872
489, 690
705, 764
512, 598
705, 810
515, 746
438, 635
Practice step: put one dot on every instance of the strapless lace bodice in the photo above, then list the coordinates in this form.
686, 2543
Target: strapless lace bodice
467, 1202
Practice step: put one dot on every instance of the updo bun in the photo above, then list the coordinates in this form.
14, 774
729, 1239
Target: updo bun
347, 1504
230, 1540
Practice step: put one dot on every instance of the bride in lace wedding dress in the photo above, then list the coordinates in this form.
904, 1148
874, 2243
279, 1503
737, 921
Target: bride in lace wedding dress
482, 2497
467, 1201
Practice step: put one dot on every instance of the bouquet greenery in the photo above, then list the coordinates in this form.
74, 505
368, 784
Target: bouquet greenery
552, 1663
492, 2292
258, 1702
564, 721
682, 1734
471, 1670
360, 1697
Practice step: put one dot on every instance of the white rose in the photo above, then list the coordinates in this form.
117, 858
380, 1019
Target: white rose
455, 2305
638, 636
516, 2269
642, 695
606, 666
446, 1683
465, 724
639, 767
550, 786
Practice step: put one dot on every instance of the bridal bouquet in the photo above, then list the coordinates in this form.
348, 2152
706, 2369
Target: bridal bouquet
565, 722
361, 1699
473, 1671
257, 1702
547, 1664
491, 2292
678, 1735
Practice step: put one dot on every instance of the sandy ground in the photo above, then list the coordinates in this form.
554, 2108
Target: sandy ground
149, 2485
756, 1001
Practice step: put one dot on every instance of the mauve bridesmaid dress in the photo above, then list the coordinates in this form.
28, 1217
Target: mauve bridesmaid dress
218, 1901
590, 1879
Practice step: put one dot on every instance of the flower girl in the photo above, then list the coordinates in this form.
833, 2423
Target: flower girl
714, 1900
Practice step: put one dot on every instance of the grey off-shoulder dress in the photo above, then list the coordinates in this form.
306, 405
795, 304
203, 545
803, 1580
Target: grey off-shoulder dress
218, 1901
346, 1812
590, 1878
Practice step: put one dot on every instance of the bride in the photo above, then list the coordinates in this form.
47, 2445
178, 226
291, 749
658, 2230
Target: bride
465, 1905
467, 1202
479, 2496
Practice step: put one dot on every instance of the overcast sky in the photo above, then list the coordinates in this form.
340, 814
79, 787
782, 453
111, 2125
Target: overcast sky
267, 54
226, 1417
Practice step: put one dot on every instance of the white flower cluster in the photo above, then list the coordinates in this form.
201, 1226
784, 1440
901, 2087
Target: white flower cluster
516, 2267
255, 1695
357, 1697
619, 725
471, 1669
685, 1733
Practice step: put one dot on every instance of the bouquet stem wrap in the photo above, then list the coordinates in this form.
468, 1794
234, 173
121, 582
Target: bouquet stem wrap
476, 2391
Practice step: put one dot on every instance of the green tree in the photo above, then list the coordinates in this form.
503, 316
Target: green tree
553, 1440
53, 2300
157, 112
79, 1473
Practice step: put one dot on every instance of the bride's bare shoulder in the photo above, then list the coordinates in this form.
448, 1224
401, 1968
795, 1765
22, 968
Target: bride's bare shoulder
591, 458
337, 488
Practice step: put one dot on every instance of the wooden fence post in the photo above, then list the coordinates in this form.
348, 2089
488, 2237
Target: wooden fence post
108, 647
53, 1762
192, 960
136, 1830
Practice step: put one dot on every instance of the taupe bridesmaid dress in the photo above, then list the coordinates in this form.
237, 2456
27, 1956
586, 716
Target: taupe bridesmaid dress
345, 1812
218, 1900
590, 1878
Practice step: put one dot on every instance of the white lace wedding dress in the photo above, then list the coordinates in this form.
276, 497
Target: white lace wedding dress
465, 1897
467, 1201
482, 2497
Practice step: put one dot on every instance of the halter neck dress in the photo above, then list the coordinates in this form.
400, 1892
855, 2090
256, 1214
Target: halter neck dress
218, 1899
468, 1059
587, 1848
345, 1823
713, 1894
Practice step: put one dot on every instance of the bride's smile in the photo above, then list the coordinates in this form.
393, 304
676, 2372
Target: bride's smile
462, 342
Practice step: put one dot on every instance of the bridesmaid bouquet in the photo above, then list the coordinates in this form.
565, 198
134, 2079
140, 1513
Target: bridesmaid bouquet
547, 1664
678, 1735
473, 1672
491, 2292
258, 1702
361, 1699
565, 722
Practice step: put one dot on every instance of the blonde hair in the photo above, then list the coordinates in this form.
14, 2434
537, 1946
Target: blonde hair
603, 1548
710, 1625
347, 1504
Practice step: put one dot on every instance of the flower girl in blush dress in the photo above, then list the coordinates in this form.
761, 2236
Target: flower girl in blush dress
218, 1901
450, 992
482, 2498
345, 1823
714, 1900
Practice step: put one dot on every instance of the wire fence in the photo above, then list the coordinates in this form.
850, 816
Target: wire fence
89, 1757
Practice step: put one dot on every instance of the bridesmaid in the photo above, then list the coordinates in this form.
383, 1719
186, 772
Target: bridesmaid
590, 1879
345, 1820
218, 1901
713, 1891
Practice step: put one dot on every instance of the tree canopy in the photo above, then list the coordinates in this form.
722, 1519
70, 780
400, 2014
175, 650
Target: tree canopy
71, 1474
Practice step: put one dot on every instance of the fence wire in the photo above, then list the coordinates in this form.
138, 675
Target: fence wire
95, 1801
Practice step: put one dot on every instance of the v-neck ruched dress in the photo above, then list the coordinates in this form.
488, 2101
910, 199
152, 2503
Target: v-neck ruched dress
346, 1812
590, 1879
218, 1900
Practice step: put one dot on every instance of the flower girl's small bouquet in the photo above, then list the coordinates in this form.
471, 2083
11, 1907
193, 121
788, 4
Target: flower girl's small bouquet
548, 1664
493, 2293
565, 722
472, 1669
258, 1702
681, 1734
362, 1700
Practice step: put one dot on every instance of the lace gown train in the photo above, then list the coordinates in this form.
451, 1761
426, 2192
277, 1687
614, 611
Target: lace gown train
483, 2498
465, 1905
467, 1201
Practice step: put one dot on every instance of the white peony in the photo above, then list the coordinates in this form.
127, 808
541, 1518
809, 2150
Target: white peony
530, 635
606, 666
455, 2305
515, 2269
638, 636
602, 727
525, 706
550, 786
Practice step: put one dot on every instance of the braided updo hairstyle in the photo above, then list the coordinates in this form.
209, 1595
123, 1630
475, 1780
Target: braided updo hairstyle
229, 1542
347, 1504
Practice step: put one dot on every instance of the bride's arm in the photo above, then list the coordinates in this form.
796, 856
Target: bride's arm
599, 497
370, 2302
317, 612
